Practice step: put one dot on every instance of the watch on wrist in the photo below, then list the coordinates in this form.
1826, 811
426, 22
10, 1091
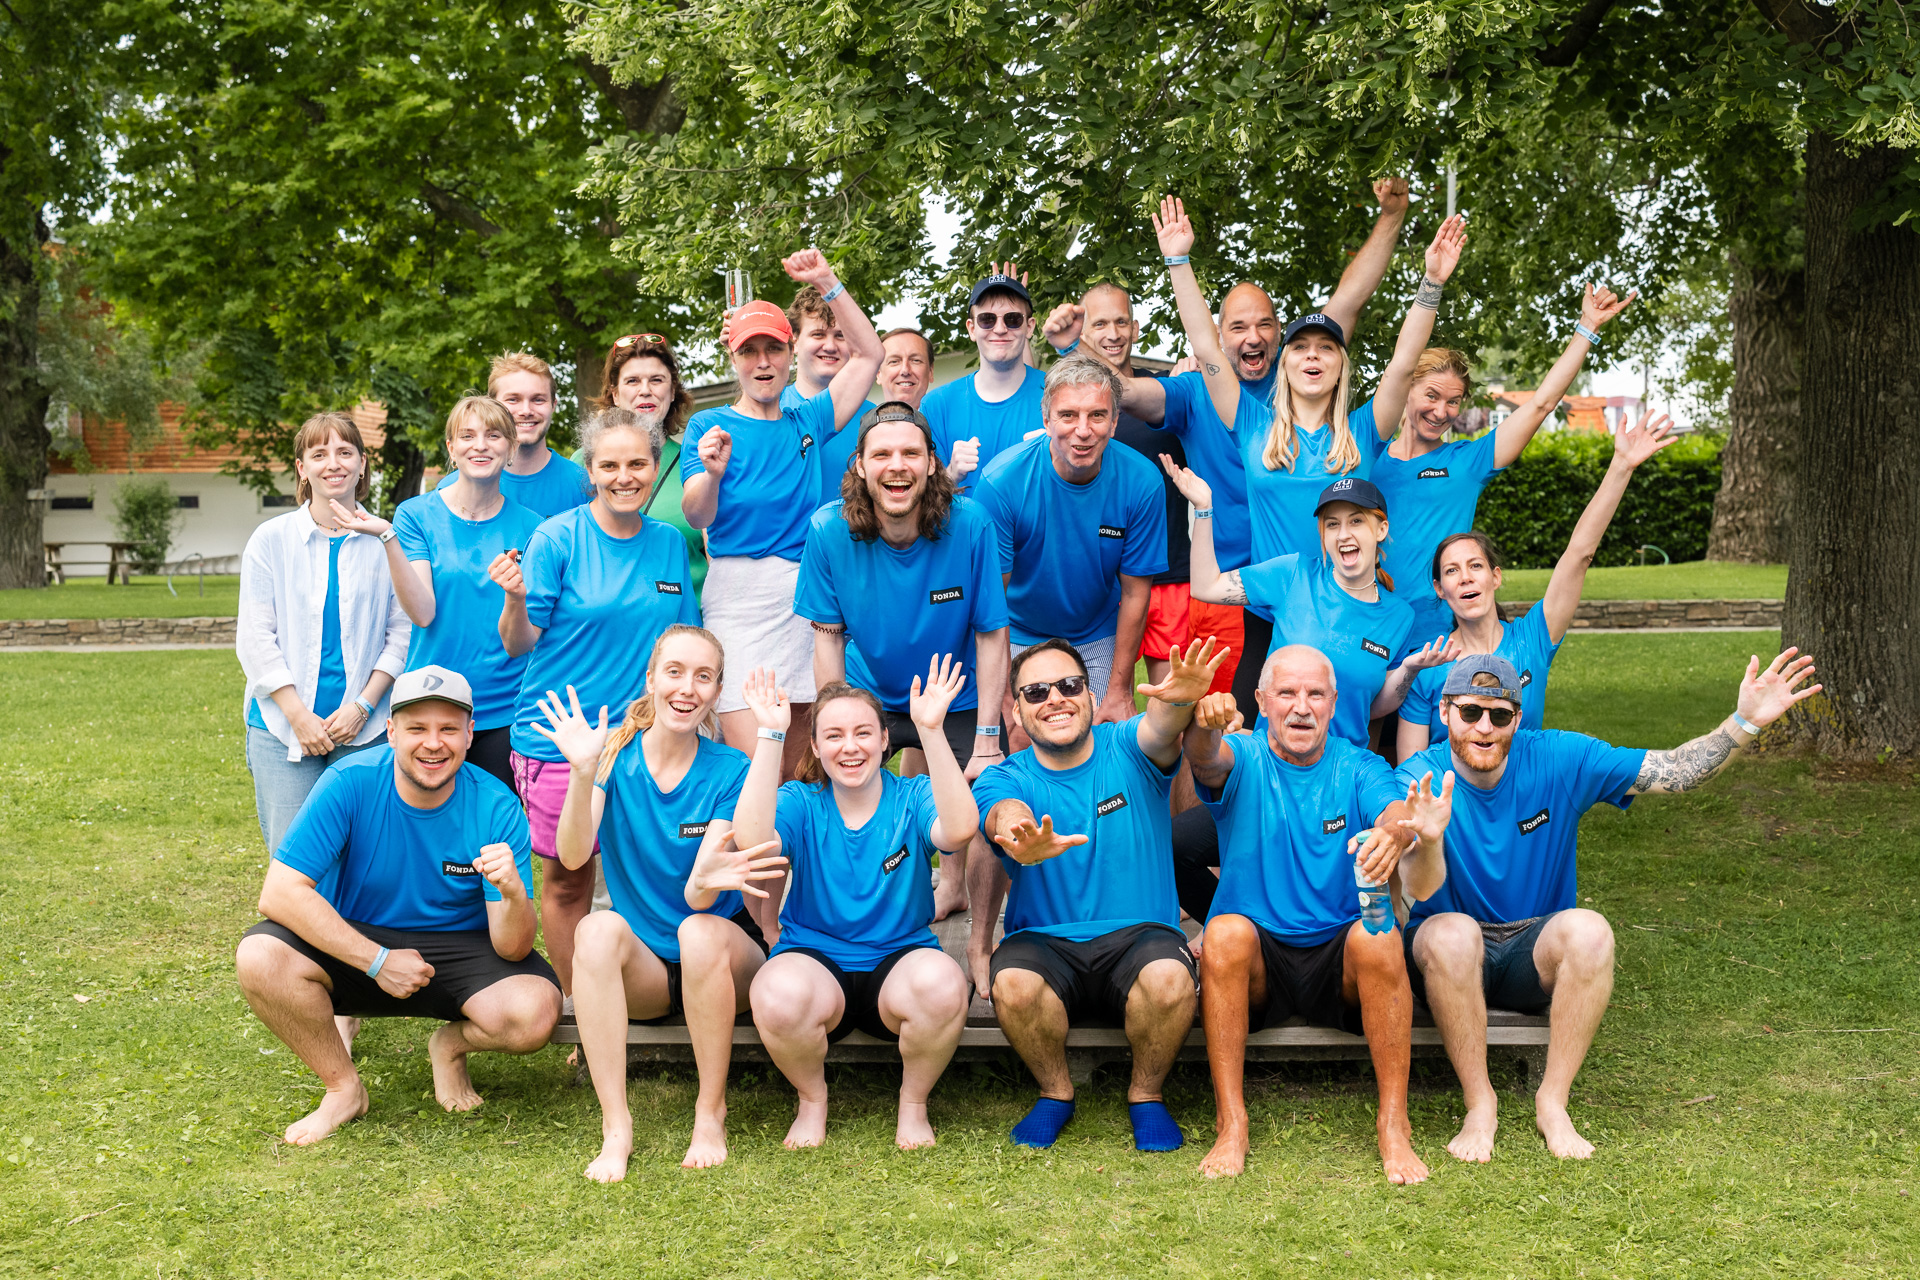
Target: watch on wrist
387, 535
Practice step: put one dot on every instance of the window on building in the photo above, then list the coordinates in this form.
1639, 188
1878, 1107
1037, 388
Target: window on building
271, 500
189, 501
72, 504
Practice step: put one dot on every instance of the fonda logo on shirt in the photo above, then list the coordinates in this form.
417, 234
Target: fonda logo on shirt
1329, 826
946, 595
692, 830
1432, 473
667, 588
1530, 825
894, 860
1375, 648
1526, 677
1113, 531
448, 867
806, 443
1112, 804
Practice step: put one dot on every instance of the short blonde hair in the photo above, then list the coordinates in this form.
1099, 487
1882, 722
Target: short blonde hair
518, 362
491, 413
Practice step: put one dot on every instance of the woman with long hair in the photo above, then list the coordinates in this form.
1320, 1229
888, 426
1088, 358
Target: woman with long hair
597, 585
856, 951
445, 543
659, 799
1466, 577
642, 373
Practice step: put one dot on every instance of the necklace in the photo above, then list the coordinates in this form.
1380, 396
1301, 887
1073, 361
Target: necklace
474, 514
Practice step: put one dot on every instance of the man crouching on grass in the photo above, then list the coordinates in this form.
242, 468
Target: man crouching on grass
425, 863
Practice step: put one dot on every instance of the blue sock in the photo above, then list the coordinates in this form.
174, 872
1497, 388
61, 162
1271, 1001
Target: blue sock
1154, 1128
1043, 1124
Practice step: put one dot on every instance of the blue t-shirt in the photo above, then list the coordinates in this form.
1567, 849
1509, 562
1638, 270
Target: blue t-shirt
1363, 641
772, 480
1282, 502
1510, 848
901, 607
649, 838
836, 451
380, 861
1066, 545
857, 896
600, 602
1283, 832
1123, 875
330, 690
559, 486
1526, 644
464, 635
1213, 454
1429, 499
955, 411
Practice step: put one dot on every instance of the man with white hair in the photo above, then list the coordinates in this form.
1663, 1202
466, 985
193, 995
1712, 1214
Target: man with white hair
1302, 818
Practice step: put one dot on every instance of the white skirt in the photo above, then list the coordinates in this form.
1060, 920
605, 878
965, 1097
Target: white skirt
748, 603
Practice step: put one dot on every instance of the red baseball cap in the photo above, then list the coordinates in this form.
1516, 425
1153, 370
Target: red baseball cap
759, 319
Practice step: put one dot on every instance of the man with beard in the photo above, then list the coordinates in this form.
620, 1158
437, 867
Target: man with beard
401, 891
544, 482
1093, 925
1504, 930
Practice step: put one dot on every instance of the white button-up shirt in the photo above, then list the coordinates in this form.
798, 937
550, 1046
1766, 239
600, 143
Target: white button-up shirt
283, 595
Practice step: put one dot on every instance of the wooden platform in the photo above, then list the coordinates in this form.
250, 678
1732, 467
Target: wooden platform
1517, 1037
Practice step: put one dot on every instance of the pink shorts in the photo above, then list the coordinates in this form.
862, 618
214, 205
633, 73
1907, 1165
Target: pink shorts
542, 785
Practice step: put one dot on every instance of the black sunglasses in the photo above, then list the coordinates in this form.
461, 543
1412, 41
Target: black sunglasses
1500, 716
1069, 687
1012, 319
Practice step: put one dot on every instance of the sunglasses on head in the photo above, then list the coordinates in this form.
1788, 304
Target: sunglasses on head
1500, 717
1012, 319
632, 338
1069, 687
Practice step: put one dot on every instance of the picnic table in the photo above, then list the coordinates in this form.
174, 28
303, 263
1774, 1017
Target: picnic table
119, 561
1520, 1037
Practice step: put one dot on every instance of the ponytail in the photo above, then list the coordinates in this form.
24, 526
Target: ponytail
811, 771
639, 717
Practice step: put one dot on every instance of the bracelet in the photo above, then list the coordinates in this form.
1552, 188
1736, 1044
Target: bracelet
839, 287
1203, 513
1745, 726
1586, 333
1178, 259
1178, 704
1067, 350
771, 735
387, 535
365, 706
995, 752
373, 970
986, 731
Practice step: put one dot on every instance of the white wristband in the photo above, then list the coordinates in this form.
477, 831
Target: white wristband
986, 731
1586, 333
839, 287
1203, 513
771, 735
1745, 726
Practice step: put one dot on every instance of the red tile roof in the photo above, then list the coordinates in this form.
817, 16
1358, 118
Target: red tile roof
110, 447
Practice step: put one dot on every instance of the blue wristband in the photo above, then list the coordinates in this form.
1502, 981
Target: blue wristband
1203, 513
1069, 349
373, 970
1745, 726
839, 287
1586, 333
986, 731
1178, 259
365, 706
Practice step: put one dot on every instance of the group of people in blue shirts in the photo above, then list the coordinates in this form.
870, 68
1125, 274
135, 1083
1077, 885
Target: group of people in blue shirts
687, 713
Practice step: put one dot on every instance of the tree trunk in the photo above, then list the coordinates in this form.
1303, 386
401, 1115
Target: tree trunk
1750, 513
1853, 591
23, 402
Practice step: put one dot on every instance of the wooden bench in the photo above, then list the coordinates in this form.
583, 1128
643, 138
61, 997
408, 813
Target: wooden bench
119, 561
1515, 1036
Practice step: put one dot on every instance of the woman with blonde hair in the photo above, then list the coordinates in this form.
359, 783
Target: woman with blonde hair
659, 797
446, 542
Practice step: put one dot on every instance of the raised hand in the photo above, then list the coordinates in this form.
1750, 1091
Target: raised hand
1634, 445
716, 451
1767, 695
359, 520
1063, 325
1191, 487
1443, 255
927, 704
1027, 844
767, 700
505, 572
1433, 653
1431, 812
1218, 712
1173, 227
1392, 195
1601, 305
1011, 270
963, 459
725, 867
810, 266
1188, 674
495, 862
579, 739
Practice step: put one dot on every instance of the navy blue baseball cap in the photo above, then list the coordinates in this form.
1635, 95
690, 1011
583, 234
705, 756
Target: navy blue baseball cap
1460, 679
997, 281
1361, 493
1315, 320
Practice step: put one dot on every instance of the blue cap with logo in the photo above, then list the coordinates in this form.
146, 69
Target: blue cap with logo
998, 281
1315, 320
1460, 679
1361, 493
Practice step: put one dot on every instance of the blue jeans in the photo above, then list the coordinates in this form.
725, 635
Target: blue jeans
280, 785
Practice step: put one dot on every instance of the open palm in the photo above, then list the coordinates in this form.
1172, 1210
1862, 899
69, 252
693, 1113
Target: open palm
1767, 695
580, 740
1634, 445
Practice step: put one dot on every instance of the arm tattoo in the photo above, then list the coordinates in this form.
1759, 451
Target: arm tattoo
1428, 295
1213, 368
1236, 592
1687, 765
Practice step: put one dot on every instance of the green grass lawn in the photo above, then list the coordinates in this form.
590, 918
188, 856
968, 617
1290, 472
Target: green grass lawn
1698, 580
142, 598
1754, 1090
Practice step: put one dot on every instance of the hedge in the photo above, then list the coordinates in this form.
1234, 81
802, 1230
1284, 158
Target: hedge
1530, 508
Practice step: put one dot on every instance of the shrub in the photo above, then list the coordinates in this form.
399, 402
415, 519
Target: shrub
1530, 509
146, 513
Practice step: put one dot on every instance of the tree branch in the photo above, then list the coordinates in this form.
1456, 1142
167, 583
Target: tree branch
452, 207
1803, 23
1578, 33
644, 108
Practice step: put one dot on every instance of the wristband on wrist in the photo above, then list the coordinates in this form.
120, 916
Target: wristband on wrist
994, 752
1178, 259
1179, 704
387, 535
1067, 350
1203, 513
1586, 333
1745, 725
771, 735
839, 287
365, 706
373, 970
986, 731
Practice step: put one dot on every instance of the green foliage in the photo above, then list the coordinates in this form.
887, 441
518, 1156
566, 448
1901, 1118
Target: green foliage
1530, 508
146, 513
95, 361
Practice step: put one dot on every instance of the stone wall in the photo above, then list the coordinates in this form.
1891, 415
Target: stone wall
39, 631
1655, 614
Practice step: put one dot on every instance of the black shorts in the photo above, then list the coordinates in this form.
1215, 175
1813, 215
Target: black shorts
1094, 978
860, 989
492, 750
464, 964
676, 1001
1507, 973
1306, 981
958, 728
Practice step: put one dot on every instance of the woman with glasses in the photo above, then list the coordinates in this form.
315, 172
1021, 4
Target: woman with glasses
643, 374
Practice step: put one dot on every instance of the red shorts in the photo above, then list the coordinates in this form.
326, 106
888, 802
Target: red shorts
1174, 618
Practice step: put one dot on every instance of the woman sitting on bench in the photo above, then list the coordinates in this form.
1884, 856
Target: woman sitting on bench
855, 950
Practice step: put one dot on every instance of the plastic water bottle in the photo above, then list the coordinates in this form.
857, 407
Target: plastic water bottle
1376, 900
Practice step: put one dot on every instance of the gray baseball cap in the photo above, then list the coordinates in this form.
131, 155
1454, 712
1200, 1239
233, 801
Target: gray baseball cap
432, 684
1460, 680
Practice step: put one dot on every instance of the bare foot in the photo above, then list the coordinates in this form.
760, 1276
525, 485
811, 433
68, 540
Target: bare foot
709, 1145
451, 1083
947, 901
912, 1130
348, 1029
1475, 1139
1396, 1154
1229, 1154
1557, 1128
335, 1109
809, 1125
611, 1164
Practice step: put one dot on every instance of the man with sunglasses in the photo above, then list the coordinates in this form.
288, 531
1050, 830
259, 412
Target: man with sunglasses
996, 406
1093, 925
1504, 929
